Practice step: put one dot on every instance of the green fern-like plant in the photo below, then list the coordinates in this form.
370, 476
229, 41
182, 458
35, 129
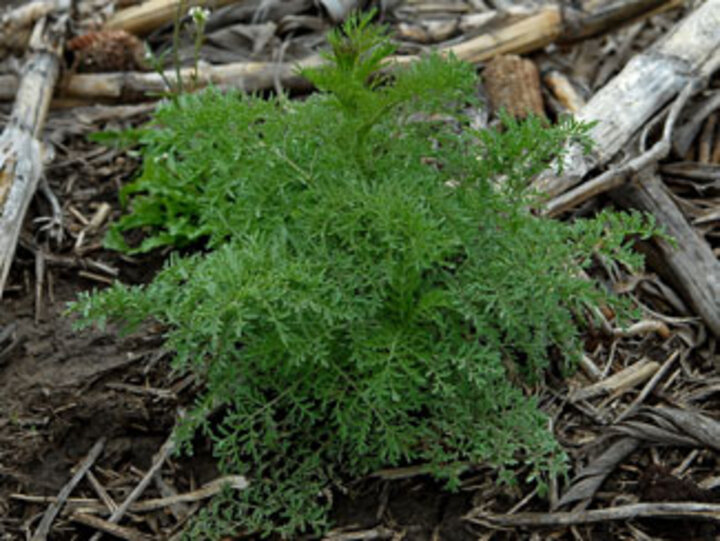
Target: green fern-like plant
370, 279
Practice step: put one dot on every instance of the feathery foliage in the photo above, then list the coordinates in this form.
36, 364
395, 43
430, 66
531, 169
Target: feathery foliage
371, 277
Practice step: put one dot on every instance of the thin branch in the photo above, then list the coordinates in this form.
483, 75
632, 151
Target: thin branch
686, 510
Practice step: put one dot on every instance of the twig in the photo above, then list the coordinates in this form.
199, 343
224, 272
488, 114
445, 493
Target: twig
29, 498
102, 492
625, 379
68, 261
39, 283
179, 510
687, 132
645, 326
51, 512
365, 535
237, 482
707, 137
52, 224
632, 408
106, 526
164, 394
590, 368
96, 277
686, 510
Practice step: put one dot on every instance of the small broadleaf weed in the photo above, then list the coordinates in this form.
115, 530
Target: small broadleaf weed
372, 286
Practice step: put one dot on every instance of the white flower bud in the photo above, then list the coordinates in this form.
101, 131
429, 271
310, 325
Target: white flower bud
199, 14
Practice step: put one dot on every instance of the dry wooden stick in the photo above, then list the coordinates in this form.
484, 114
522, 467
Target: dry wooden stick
44, 527
181, 511
121, 532
685, 510
625, 379
144, 18
67, 261
595, 17
685, 135
20, 150
237, 482
246, 76
645, 326
715, 156
591, 370
616, 177
689, 263
632, 408
640, 90
528, 34
366, 535
16, 25
692, 170
511, 35
29, 498
707, 137
564, 91
86, 505
102, 492
39, 283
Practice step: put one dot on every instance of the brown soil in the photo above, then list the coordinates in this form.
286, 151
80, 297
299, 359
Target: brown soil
55, 400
